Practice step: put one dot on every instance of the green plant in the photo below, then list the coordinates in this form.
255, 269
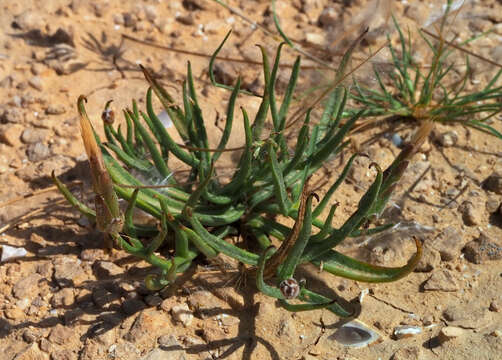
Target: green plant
199, 212
433, 94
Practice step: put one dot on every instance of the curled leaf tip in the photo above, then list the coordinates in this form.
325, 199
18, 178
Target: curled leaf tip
108, 115
313, 194
375, 165
418, 255
270, 248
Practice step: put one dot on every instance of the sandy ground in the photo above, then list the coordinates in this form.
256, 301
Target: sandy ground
69, 299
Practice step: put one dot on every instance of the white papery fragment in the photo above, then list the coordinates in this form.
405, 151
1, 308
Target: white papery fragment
165, 119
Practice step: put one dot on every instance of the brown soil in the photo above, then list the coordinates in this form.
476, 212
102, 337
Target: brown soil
70, 299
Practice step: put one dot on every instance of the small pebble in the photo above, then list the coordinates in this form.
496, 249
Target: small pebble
32, 136
129, 20
118, 19
150, 12
23, 303
36, 82
314, 38
329, 17
450, 332
38, 152
29, 20
428, 320
441, 280
27, 286
186, 19
447, 139
482, 249
471, 215
37, 68
29, 336
494, 183
55, 109
12, 115
14, 313
107, 269
495, 306
492, 205
397, 140
153, 300
182, 313
60, 334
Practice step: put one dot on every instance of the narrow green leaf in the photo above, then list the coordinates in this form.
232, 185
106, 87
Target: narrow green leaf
271, 89
365, 206
349, 268
325, 200
292, 260
261, 115
159, 162
200, 243
484, 127
221, 245
211, 68
230, 118
280, 189
306, 307
278, 26
260, 282
289, 93
130, 161
330, 146
337, 309
169, 105
161, 236
81, 207
242, 175
326, 229
166, 139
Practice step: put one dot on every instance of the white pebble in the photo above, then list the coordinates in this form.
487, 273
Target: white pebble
9, 252
182, 314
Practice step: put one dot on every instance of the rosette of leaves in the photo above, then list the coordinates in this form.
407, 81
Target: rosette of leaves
430, 93
271, 181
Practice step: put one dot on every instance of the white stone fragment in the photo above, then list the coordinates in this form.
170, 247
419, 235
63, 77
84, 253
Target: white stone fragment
10, 252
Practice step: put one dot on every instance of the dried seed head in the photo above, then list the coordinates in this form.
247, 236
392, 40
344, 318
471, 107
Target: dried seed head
289, 288
108, 116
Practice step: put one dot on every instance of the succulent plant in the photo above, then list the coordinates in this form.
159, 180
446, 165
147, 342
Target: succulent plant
200, 211
433, 93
